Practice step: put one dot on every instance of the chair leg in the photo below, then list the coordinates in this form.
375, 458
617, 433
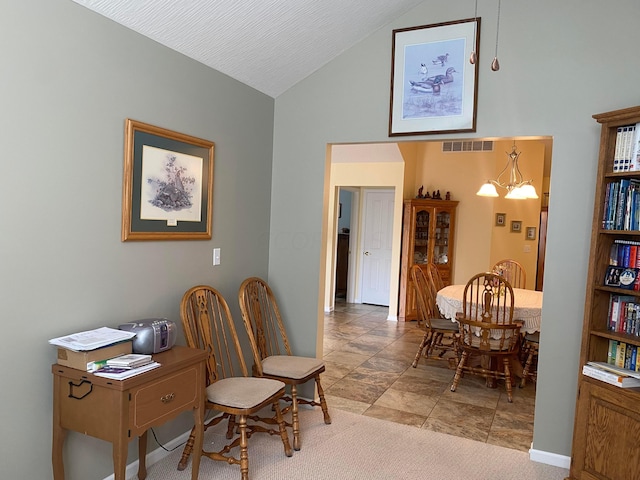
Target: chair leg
283, 430
426, 340
461, 364
527, 367
323, 402
230, 426
186, 452
507, 379
244, 451
295, 420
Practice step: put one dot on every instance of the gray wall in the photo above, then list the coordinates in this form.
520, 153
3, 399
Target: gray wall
561, 62
69, 79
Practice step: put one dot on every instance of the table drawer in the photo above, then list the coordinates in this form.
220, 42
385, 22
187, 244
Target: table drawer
155, 403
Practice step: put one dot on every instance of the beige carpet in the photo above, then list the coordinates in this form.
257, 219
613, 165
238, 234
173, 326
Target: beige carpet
356, 447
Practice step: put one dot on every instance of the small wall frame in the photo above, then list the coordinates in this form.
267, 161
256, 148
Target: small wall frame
516, 226
501, 219
531, 233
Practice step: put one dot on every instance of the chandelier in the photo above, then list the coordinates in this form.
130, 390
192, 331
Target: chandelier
517, 187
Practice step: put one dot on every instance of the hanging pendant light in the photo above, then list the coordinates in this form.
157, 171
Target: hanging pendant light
517, 187
495, 64
473, 58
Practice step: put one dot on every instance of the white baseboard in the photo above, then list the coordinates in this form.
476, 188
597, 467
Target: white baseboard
550, 458
155, 456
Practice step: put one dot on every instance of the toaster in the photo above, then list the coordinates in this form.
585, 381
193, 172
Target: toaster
153, 335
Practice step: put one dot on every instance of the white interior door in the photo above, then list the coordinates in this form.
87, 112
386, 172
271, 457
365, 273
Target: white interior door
377, 236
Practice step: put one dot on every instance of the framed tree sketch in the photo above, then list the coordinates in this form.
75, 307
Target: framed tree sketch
434, 86
167, 189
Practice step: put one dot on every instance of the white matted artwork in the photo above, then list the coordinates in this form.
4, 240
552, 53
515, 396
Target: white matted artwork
171, 186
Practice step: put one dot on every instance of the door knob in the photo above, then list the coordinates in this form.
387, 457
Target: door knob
367, 253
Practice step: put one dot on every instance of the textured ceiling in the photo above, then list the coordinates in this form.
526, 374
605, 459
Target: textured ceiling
269, 45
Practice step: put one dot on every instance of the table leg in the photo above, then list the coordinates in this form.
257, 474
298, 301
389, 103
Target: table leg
59, 433
196, 452
120, 458
142, 456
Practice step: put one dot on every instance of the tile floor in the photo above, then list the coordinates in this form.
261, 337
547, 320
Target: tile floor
368, 371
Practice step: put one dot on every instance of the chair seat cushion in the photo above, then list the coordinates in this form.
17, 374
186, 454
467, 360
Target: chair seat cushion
444, 324
290, 366
242, 392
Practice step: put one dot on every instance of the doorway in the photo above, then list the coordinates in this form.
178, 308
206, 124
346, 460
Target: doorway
377, 235
405, 167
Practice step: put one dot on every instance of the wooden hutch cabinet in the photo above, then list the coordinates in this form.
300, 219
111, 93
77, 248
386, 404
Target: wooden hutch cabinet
428, 235
607, 422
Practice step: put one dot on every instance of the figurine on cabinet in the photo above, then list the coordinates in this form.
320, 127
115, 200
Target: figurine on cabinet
420, 195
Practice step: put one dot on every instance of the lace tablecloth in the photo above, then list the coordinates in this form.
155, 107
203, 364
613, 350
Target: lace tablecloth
527, 305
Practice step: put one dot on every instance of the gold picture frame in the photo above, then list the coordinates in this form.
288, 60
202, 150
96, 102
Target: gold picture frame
167, 188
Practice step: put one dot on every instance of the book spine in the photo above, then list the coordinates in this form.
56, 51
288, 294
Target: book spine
614, 352
613, 317
620, 353
611, 353
618, 148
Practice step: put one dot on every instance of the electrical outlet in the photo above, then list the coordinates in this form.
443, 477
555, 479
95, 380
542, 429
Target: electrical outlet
216, 256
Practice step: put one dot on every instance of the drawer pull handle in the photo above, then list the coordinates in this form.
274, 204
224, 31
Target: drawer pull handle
167, 398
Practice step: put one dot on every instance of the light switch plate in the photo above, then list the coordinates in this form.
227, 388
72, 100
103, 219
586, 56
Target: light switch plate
216, 256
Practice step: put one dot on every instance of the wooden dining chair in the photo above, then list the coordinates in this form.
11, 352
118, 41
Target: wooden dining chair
488, 330
513, 271
272, 354
439, 332
208, 325
529, 350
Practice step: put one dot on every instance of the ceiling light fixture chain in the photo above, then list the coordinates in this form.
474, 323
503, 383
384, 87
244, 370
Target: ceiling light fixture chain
473, 58
517, 187
495, 64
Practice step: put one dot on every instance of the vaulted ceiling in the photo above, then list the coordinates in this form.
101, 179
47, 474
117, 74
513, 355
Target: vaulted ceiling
269, 45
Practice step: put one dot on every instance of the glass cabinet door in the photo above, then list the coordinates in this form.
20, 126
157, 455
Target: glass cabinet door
421, 238
442, 238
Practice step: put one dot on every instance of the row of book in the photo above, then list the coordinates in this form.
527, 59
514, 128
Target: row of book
624, 314
622, 205
625, 253
623, 355
626, 156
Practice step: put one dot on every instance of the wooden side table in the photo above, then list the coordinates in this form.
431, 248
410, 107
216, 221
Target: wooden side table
118, 410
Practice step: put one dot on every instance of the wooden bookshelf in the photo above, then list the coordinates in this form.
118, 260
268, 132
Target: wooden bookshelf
607, 421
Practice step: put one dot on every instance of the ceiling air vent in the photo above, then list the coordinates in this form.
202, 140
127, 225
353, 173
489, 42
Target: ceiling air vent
468, 146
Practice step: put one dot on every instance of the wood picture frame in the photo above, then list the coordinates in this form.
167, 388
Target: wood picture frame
167, 188
434, 87
516, 226
501, 219
531, 233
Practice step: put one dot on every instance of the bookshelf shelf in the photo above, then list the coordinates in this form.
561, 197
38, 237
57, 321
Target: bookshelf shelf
607, 416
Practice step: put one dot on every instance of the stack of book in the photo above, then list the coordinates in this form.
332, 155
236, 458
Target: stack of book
620, 377
125, 366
